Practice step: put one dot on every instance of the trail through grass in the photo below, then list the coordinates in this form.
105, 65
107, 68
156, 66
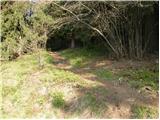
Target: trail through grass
30, 91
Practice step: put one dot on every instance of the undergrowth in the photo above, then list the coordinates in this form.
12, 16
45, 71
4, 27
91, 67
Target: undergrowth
58, 99
143, 112
141, 78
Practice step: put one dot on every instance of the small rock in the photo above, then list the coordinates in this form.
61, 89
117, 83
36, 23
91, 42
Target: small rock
43, 91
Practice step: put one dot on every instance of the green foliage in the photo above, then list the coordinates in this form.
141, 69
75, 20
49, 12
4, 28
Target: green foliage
141, 112
81, 57
59, 76
141, 78
58, 99
61, 38
17, 35
117, 27
104, 74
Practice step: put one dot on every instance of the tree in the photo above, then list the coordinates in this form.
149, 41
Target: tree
120, 24
22, 33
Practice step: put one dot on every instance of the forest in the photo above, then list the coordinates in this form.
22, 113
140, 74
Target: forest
79, 59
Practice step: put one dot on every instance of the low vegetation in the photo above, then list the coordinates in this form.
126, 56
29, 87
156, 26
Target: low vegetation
58, 99
141, 77
143, 112
78, 59
90, 102
18, 85
28, 90
82, 57
104, 74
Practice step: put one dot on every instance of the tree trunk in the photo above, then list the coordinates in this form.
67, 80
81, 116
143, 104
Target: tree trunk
72, 43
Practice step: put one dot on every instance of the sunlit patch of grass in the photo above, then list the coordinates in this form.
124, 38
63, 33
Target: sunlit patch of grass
142, 112
80, 57
6, 91
14, 74
58, 99
48, 59
78, 62
51, 74
41, 100
140, 78
104, 74
22, 72
17, 69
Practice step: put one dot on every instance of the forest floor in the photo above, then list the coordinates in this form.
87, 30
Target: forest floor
77, 83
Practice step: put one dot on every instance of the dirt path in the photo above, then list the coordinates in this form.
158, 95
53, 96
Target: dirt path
59, 61
120, 96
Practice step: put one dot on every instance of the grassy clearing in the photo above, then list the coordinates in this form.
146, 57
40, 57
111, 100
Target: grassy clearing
30, 91
81, 57
23, 82
143, 112
140, 78
15, 75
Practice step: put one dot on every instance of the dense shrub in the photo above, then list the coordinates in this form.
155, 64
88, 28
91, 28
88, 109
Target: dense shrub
24, 28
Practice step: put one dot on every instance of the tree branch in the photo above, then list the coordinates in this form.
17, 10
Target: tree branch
93, 28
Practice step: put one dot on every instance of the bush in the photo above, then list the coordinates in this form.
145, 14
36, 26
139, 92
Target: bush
58, 99
20, 36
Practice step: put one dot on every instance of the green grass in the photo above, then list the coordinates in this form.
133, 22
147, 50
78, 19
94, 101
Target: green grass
58, 99
141, 77
25, 63
23, 78
104, 74
80, 57
142, 112
95, 106
19, 89
8, 90
14, 76
93, 101
51, 74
